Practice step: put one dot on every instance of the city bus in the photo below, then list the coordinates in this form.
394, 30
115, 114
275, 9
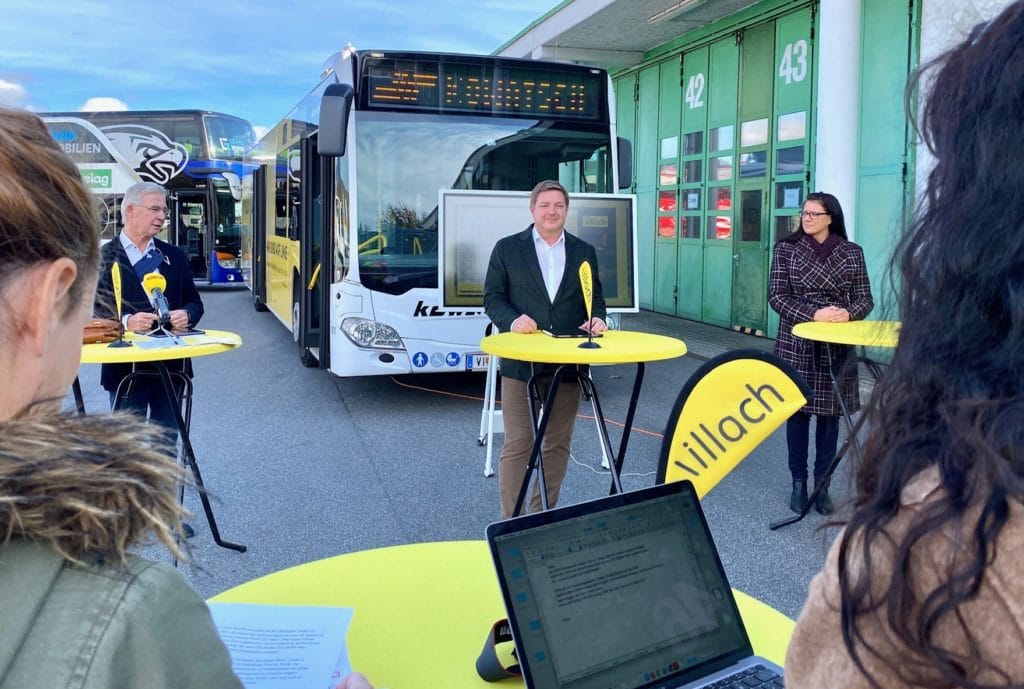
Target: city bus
344, 196
196, 155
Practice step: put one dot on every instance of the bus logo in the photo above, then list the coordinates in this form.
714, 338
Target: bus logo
153, 154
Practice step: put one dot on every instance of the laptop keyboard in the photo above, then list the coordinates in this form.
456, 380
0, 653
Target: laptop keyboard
751, 678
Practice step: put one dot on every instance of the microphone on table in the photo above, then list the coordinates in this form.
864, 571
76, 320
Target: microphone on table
587, 286
115, 280
154, 283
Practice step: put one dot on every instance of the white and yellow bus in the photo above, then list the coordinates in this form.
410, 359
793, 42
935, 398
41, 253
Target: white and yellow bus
344, 198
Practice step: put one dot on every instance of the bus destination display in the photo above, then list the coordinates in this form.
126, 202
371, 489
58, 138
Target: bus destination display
497, 89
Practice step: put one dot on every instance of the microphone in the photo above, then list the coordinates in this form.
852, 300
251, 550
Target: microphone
154, 283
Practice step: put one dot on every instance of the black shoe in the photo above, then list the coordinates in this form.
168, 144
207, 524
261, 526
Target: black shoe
799, 497
823, 503
189, 531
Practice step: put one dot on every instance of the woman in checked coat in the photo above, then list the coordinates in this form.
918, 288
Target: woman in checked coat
817, 274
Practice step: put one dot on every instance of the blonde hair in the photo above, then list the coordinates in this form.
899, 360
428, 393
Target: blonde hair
88, 486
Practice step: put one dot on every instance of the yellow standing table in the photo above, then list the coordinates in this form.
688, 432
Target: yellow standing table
858, 334
157, 351
421, 610
615, 347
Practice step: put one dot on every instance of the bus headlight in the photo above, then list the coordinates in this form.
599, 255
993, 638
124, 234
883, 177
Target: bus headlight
367, 333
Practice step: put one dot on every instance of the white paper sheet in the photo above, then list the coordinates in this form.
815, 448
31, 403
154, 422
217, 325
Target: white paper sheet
285, 646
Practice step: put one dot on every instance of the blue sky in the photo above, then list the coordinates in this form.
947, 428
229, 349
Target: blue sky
249, 58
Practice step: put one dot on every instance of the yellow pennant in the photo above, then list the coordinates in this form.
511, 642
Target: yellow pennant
587, 284
728, 407
115, 278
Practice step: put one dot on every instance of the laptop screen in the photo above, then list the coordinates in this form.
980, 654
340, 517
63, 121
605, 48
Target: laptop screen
622, 592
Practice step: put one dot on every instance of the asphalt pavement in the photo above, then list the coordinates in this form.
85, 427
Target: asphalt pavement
303, 465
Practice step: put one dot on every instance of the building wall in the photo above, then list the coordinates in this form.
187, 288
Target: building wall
857, 143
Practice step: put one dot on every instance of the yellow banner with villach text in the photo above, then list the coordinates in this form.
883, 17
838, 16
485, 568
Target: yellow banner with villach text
726, 409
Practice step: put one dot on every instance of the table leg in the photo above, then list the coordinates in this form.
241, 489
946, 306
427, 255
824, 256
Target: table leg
536, 460
638, 380
853, 429
190, 459
76, 388
847, 443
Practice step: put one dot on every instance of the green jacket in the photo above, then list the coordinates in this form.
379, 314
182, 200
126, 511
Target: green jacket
514, 285
103, 627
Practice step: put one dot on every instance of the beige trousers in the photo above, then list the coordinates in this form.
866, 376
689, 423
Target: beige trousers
515, 453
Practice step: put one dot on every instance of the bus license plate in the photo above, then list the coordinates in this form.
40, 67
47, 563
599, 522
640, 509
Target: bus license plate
477, 362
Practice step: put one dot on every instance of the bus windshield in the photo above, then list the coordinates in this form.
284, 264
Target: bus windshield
228, 137
403, 160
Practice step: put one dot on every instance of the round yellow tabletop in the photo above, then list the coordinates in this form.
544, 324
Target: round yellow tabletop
423, 611
616, 347
161, 348
865, 333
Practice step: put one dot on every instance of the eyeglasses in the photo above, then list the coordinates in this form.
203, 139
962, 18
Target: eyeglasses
811, 215
158, 209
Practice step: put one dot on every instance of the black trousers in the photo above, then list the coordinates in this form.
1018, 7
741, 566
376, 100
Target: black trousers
826, 438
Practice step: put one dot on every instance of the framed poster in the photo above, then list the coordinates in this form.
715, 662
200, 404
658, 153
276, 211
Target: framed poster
472, 221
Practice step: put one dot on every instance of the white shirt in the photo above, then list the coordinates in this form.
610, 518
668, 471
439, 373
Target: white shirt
134, 255
551, 258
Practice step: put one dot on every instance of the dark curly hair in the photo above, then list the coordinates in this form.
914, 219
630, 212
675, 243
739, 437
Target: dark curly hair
953, 398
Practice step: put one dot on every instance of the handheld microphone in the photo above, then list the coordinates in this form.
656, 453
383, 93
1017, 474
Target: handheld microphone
154, 283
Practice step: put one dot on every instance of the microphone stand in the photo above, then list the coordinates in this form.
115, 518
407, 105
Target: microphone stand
120, 341
589, 344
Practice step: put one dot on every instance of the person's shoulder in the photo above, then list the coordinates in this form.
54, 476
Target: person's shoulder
851, 247
515, 238
111, 248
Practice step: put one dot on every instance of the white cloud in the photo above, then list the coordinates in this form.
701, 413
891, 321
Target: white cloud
103, 104
260, 130
11, 94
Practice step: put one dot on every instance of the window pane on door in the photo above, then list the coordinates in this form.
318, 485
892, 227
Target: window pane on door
668, 175
719, 227
754, 133
792, 126
786, 225
690, 227
753, 164
720, 169
750, 215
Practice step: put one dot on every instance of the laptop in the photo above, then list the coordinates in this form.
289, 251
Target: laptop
623, 592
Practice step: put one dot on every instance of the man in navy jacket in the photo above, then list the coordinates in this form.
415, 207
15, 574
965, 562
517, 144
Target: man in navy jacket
138, 252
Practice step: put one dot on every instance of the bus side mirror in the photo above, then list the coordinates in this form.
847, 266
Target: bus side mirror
625, 154
335, 106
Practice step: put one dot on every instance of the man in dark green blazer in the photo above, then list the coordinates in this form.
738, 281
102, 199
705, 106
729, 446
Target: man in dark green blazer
533, 284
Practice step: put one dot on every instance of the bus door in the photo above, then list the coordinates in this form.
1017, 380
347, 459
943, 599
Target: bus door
258, 246
315, 255
191, 224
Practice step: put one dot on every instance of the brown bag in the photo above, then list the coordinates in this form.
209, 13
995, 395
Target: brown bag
101, 330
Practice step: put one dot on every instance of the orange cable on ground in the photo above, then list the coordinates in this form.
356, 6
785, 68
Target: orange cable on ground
481, 399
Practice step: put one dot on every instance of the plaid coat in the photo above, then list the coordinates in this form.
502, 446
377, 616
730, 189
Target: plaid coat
801, 283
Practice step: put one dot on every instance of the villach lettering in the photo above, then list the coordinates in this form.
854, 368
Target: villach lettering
730, 429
